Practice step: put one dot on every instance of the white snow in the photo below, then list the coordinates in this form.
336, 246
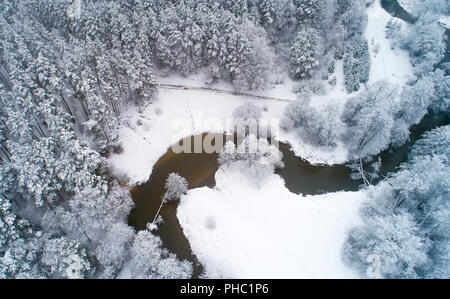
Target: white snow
280, 91
238, 230
125, 273
386, 63
409, 5
445, 21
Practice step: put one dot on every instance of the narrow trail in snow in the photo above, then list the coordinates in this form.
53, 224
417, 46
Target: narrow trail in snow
219, 91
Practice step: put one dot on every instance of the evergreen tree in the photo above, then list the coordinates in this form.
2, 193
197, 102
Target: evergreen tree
304, 50
306, 10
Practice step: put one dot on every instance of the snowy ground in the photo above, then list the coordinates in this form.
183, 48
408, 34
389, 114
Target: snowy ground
386, 63
445, 21
241, 231
237, 229
409, 5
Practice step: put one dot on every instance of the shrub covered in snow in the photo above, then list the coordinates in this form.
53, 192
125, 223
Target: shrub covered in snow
148, 260
253, 154
314, 125
247, 112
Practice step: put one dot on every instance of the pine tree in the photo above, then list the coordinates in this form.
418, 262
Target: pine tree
267, 11
304, 52
305, 10
357, 67
237, 7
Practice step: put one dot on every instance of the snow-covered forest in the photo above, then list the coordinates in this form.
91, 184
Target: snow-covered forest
85, 115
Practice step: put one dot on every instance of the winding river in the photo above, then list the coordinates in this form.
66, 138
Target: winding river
199, 171
299, 175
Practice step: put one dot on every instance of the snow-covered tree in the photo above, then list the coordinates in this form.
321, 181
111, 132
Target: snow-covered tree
256, 68
440, 100
267, 11
405, 220
114, 248
306, 10
433, 143
247, 112
304, 52
393, 240
176, 186
370, 118
352, 15
237, 7
65, 258
253, 155
26, 252
426, 43
148, 260
246, 118
366, 174
316, 126
415, 100
357, 67
394, 33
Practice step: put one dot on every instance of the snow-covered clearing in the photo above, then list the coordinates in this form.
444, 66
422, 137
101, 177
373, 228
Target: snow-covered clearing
241, 231
386, 63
